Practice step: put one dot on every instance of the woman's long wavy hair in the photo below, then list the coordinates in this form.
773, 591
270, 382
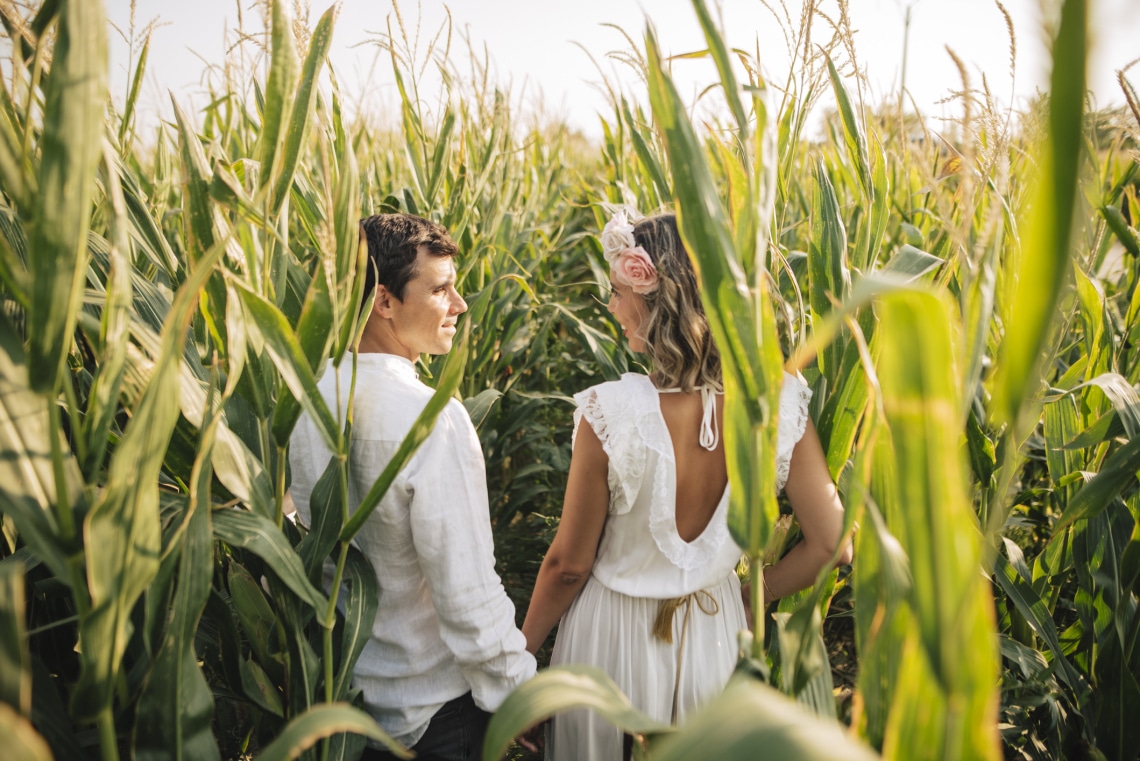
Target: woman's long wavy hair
677, 334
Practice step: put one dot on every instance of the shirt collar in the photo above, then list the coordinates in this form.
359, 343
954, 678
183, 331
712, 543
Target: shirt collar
400, 366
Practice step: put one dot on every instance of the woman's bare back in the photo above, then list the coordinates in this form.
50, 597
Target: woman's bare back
702, 475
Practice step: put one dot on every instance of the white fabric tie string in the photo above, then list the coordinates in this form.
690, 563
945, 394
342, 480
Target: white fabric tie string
710, 436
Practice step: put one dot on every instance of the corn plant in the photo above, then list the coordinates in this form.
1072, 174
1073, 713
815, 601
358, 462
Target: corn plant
964, 306
894, 310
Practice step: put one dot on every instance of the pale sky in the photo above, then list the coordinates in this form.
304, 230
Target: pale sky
536, 46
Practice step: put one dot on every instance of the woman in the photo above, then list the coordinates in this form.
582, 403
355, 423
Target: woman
642, 568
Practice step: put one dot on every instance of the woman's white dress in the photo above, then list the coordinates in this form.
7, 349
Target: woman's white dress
641, 561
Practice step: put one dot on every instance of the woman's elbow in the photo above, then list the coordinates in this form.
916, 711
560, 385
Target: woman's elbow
565, 571
831, 553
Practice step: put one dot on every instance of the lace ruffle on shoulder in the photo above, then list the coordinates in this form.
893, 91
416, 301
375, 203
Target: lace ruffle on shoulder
794, 399
613, 410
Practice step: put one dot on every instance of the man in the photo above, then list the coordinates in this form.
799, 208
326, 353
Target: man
444, 649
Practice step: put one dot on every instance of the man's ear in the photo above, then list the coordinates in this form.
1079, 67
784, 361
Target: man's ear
383, 304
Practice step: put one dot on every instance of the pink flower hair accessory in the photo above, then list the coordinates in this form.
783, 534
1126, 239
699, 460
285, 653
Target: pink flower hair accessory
630, 264
617, 236
633, 268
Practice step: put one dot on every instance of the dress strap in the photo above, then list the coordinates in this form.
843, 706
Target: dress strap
710, 434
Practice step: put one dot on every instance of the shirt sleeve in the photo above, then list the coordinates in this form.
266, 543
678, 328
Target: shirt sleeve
451, 531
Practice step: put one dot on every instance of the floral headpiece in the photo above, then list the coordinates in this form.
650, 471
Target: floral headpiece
630, 264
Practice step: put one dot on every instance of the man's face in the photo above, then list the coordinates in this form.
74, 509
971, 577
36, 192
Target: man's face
424, 321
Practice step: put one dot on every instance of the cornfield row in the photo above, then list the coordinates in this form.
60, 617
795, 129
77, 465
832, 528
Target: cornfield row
965, 308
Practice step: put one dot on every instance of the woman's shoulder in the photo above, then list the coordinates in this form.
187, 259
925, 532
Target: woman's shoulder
796, 390
626, 385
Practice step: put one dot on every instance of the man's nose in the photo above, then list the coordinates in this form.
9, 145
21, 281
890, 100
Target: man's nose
458, 305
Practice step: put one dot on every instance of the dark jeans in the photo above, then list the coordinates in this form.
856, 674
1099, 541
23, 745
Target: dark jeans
454, 734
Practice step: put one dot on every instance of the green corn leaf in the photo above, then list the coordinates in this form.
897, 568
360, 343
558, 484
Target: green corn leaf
827, 258
327, 504
439, 156
1098, 343
260, 689
260, 536
724, 69
351, 250
124, 522
978, 312
803, 655
911, 263
115, 329
303, 103
880, 213
17, 182
1030, 605
1061, 425
882, 619
1116, 474
289, 358
705, 228
480, 405
555, 691
1120, 228
126, 118
852, 134
258, 621
649, 162
176, 707
199, 209
842, 415
939, 531
314, 338
278, 90
361, 602
752, 457
324, 721
1117, 732
21, 740
1123, 397
145, 231
75, 97
750, 716
27, 484
1042, 262
15, 661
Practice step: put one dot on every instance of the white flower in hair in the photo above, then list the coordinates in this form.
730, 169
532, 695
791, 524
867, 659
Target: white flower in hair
617, 236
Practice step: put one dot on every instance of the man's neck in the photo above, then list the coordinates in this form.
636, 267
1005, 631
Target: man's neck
378, 339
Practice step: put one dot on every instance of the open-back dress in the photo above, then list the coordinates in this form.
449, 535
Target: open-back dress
645, 573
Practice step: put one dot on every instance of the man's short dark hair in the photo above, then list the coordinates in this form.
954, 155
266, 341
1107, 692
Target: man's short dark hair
394, 240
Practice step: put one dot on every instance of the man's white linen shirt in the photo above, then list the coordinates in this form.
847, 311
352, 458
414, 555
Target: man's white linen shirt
445, 624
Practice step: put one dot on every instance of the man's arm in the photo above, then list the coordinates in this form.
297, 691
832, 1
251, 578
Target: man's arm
451, 530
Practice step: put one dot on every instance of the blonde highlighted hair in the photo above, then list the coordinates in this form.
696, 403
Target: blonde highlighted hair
676, 330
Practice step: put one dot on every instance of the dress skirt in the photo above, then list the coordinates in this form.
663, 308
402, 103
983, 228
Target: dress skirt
613, 632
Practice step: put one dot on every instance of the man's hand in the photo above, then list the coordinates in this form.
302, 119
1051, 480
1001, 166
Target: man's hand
534, 739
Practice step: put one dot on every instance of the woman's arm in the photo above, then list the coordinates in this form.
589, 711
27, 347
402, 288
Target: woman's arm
570, 558
815, 503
